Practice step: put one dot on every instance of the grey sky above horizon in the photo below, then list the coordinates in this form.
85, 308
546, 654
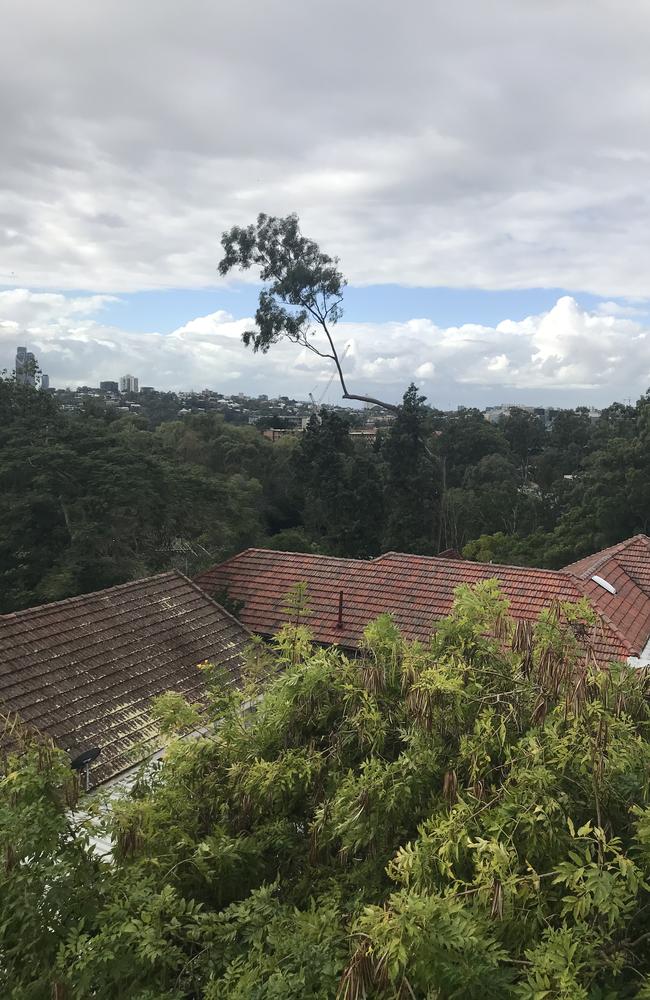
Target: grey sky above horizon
500, 147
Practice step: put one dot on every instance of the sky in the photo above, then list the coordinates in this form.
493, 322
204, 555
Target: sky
480, 169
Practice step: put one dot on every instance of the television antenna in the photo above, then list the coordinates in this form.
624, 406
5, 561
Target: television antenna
82, 761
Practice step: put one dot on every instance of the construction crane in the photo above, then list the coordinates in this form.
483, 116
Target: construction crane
315, 406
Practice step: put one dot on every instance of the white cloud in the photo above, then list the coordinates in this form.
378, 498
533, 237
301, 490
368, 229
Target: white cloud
483, 145
24, 306
620, 309
566, 355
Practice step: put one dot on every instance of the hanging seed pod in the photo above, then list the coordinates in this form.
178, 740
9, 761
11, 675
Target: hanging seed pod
540, 711
358, 976
313, 845
522, 643
10, 858
450, 787
71, 790
496, 910
478, 790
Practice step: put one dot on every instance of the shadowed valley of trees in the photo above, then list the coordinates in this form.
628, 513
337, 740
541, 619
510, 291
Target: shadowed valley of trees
92, 499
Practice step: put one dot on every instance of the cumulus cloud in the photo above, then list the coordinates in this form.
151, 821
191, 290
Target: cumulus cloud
484, 145
567, 355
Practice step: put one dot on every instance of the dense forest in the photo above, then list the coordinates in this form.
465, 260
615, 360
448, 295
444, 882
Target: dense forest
467, 819
92, 498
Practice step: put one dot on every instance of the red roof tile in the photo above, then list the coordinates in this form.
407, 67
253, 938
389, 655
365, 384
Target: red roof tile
626, 567
84, 671
417, 590
633, 555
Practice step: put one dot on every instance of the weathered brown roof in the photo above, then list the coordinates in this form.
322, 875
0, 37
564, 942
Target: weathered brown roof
84, 671
417, 590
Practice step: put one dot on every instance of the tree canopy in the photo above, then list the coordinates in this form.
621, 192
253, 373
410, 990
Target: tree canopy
465, 818
91, 498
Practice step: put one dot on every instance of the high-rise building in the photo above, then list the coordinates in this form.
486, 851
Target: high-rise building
128, 383
45, 382
25, 367
109, 386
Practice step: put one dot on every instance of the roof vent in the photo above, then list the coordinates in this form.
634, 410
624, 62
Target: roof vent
604, 584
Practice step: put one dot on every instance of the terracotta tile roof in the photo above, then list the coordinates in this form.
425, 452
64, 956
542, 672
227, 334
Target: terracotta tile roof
417, 590
626, 567
633, 555
83, 671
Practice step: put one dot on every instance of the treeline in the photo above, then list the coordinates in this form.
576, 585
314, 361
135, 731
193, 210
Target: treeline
510, 492
91, 499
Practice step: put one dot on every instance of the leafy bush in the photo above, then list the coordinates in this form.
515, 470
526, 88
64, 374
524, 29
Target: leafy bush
467, 818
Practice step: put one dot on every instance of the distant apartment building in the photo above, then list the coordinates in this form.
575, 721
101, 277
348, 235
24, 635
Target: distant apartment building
363, 433
276, 433
128, 383
45, 382
546, 414
26, 366
496, 413
109, 386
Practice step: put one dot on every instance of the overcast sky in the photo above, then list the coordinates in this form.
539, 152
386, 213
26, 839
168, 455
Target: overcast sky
481, 169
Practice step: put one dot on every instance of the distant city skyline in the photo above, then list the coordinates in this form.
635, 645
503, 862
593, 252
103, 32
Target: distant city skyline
571, 354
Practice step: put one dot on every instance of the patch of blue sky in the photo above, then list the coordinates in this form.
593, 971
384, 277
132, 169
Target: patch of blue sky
164, 311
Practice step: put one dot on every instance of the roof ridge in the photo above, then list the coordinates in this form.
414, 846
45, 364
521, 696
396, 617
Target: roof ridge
280, 552
563, 571
631, 575
93, 593
211, 600
311, 555
472, 562
230, 559
609, 552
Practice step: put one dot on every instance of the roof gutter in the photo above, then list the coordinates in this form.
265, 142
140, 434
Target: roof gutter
643, 660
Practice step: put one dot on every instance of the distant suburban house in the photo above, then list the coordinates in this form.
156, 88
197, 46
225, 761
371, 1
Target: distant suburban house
345, 594
84, 671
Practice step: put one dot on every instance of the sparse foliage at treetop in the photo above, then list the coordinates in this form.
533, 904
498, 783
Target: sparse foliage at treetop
302, 298
466, 818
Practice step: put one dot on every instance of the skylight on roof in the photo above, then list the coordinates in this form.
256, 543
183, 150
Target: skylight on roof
604, 584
